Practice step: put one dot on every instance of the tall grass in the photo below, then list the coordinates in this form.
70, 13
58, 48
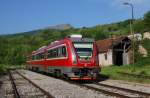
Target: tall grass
113, 72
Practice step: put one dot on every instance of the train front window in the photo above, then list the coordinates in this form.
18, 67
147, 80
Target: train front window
84, 50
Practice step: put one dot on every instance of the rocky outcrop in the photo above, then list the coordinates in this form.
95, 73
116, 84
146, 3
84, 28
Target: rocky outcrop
60, 27
143, 51
146, 35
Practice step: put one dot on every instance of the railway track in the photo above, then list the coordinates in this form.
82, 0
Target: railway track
25, 88
113, 90
119, 91
110, 90
144, 94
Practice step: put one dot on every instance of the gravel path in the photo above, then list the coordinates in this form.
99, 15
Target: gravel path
60, 88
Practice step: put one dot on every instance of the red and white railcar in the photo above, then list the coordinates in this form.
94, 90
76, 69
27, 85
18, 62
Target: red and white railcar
73, 57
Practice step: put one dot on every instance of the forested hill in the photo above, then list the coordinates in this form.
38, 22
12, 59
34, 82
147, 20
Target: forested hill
14, 48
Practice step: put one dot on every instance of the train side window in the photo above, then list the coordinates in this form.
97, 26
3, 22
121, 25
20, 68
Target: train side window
49, 53
37, 57
53, 53
64, 51
57, 52
33, 57
42, 55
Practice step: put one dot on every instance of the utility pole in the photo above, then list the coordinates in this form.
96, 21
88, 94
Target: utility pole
131, 28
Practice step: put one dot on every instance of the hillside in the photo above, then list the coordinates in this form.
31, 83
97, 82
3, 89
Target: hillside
59, 27
14, 48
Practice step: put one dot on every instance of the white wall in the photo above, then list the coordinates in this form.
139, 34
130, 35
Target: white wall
103, 61
125, 58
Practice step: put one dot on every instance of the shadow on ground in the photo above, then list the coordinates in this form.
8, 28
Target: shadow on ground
99, 78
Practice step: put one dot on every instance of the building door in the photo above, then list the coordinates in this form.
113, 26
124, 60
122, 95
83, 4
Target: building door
118, 57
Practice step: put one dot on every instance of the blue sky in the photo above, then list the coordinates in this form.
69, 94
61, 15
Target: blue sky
25, 15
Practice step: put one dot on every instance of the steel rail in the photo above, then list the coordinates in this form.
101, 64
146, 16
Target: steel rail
15, 91
106, 92
98, 89
125, 89
42, 90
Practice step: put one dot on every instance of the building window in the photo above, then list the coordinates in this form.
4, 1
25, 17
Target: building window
105, 56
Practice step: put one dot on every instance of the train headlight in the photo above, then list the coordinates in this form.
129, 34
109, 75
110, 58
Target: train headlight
74, 59
73, 56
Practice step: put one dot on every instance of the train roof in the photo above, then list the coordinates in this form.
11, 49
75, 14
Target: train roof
41, 49
72, 38
79, 38
82, 39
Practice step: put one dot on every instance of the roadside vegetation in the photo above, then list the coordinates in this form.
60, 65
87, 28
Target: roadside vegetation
3, 69
113, 72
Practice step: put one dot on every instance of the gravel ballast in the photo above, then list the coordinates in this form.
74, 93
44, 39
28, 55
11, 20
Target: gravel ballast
26, 89
60, 88
128, 85
6, 90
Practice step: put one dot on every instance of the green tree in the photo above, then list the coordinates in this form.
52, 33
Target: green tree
147, 21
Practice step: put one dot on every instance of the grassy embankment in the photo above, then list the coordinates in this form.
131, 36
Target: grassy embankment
3, 69
141, 67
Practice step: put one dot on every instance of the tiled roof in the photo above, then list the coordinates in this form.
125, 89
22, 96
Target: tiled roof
104, 45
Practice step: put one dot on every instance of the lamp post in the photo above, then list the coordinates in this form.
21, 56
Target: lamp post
131, 25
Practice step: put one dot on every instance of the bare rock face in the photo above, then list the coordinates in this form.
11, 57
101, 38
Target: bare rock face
136, 37
146, 35
60, 27
143, 51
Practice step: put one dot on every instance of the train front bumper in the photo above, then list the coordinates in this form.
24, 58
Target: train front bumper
84, 73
